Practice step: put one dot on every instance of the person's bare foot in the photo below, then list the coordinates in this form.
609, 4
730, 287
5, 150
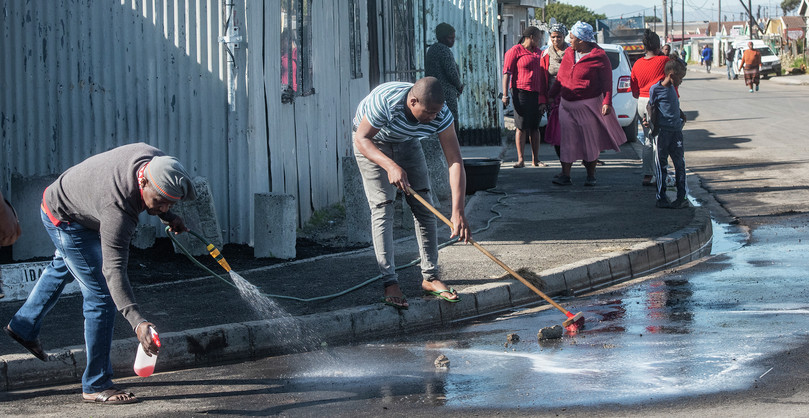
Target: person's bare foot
438, 288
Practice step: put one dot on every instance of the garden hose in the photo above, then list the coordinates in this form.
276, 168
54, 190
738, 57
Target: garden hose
216, 254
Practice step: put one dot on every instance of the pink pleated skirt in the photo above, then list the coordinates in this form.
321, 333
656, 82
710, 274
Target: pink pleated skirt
585, 132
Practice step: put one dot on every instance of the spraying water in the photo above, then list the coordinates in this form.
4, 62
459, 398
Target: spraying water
289, 330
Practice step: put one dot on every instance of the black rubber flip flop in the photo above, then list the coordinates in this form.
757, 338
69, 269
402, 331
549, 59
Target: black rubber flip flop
389, 300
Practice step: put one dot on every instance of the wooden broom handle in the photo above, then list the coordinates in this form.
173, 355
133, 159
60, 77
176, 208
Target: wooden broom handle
488, 254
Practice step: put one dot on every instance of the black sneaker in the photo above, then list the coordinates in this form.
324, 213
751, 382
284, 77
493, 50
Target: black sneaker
590, 182
562, 180
680, 203
663, 203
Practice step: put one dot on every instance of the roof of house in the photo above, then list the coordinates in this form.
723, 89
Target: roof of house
793, 22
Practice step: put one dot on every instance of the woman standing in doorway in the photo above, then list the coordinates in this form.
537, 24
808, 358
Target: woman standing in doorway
523, 73
586, 117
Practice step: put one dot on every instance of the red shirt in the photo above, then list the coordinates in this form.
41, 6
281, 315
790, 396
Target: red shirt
645, 73
588, 78
525, 70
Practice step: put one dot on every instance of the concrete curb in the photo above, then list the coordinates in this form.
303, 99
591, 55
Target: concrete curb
252, 340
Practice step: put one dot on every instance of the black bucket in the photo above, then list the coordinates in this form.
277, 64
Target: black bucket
481, 173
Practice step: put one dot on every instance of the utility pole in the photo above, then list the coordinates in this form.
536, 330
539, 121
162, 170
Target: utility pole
719, 19
682, 25
654, 21
750, 13
665, 21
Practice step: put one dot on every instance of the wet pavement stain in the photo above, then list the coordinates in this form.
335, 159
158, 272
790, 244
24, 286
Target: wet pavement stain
690, 332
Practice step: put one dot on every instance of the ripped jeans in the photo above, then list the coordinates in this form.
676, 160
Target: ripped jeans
381, 194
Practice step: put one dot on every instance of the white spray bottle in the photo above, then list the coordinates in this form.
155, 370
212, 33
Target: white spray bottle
144, 364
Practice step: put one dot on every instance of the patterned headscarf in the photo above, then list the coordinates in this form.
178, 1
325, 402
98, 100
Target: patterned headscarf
583, 31
559, 27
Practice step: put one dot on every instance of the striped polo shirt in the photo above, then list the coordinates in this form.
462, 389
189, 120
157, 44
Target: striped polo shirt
385, 110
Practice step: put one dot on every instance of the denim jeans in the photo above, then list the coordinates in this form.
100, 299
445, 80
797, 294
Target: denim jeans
648, 154
381, 194
78, 255
731, 73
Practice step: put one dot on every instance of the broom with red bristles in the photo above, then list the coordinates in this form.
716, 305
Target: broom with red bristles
573, 322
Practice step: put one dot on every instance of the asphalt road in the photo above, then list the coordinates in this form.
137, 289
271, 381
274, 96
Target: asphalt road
748, 149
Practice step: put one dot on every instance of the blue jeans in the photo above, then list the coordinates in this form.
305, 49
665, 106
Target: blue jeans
78, 255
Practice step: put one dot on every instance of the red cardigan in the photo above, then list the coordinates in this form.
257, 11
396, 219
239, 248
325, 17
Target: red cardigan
588, 78
645, 73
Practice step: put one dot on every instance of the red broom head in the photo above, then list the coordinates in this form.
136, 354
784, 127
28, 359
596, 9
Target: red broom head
574, 323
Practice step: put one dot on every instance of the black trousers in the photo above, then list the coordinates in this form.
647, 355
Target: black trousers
670, 144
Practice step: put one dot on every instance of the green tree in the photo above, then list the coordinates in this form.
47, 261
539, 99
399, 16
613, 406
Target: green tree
651, 19
790, 5
567, 14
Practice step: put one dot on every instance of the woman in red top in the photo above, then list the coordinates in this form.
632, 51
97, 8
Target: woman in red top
587, 120
521, 67
646, 72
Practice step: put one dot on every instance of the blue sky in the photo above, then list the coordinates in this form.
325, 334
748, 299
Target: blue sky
694, 9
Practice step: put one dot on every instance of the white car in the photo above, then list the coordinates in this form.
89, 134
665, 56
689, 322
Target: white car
625, 106
770, 63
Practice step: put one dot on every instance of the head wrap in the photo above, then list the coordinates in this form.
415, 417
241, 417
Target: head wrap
559, 27
443, 30
170, 179
583, 31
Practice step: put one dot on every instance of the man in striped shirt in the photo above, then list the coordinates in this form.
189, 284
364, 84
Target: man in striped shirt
388, 127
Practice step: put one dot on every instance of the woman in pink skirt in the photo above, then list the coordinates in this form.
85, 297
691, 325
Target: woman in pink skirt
587, 122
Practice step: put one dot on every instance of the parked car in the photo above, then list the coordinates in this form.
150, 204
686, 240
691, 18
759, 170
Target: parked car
770, 62
625, 106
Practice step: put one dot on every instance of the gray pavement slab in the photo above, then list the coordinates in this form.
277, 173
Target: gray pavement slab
562, 239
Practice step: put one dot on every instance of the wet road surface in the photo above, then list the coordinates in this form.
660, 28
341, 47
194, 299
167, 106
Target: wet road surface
713, 328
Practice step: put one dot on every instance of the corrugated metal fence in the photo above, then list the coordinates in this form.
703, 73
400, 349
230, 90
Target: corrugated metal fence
84, 76
478, 55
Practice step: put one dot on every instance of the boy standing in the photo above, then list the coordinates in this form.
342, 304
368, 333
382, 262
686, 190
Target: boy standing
670, 120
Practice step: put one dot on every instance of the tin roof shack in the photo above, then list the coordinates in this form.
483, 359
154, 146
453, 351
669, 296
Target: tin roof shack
257, 97
627, 32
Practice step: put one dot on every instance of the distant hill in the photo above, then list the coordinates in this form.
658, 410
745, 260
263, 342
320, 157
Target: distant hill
625, 10
616, 10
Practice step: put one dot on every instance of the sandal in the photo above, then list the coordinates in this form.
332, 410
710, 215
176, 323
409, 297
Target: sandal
540, 164
440, 293
104, 397
398, 302
519, 165
33, 346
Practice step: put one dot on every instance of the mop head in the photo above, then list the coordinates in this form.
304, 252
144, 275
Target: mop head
574, 323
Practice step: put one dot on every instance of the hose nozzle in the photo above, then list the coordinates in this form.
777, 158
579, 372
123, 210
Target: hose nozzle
218, 257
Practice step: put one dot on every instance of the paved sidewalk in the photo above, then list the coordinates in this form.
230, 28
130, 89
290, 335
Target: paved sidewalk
565, 239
